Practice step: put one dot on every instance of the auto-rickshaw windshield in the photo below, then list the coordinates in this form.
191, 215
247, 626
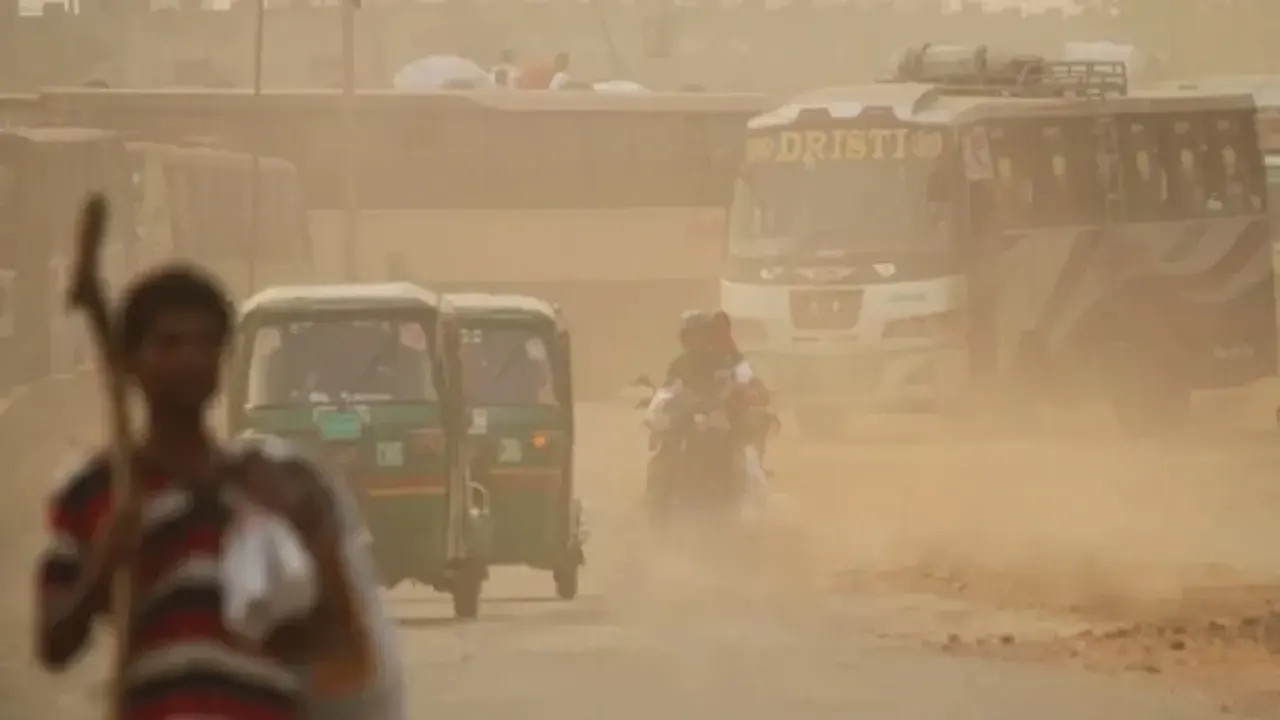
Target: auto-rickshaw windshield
343, 359
506, 366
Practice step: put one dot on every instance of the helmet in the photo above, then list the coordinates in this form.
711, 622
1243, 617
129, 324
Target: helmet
721, 328
693, 327
721, 322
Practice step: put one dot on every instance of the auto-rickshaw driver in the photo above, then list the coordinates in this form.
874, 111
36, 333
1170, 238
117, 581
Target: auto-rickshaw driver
314, 361
506, 367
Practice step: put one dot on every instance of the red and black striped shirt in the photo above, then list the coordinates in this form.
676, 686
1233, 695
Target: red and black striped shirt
184, 663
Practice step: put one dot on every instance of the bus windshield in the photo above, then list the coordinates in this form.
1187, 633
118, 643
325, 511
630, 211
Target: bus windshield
893, 203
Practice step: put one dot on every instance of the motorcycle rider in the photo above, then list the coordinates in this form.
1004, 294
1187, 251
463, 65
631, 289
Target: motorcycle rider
711, 362
693, 369
749, 404
696, 364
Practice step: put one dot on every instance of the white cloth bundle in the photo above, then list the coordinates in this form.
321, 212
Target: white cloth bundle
268, 575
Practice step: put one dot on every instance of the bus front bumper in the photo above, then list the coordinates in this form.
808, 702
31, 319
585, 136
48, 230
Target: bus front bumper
873, 378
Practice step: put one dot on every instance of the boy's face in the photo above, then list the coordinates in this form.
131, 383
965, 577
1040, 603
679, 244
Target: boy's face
178, 362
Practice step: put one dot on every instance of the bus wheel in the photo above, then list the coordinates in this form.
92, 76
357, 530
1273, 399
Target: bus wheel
822, 423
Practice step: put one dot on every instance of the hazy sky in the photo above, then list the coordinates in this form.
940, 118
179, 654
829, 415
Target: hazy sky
33, 6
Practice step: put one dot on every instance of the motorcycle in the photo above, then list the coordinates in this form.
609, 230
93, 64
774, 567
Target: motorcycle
695, 464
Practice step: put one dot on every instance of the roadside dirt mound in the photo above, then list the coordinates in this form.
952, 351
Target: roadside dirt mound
1155, 557
1233, 656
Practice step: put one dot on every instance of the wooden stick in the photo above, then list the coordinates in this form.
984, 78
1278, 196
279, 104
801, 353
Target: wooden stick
87, 295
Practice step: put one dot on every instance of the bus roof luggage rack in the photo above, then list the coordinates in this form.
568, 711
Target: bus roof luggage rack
968, 70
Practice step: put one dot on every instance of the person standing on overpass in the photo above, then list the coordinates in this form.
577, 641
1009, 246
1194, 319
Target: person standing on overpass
543, 76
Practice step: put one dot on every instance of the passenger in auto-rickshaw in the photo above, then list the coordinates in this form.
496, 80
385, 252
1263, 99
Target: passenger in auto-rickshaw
506, 367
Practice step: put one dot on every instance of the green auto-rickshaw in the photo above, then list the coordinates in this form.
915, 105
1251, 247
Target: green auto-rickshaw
516, 377
368, 377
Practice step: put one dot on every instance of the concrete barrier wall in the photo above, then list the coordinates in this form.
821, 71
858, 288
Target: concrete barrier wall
621, 277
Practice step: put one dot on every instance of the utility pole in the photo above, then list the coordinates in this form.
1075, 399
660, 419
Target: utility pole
255, 181
350, 213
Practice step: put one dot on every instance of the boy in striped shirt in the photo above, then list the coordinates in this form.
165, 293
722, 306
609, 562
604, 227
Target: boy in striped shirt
183, 661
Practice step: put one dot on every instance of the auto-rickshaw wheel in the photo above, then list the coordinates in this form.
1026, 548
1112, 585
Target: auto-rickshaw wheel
566, 580
466, 593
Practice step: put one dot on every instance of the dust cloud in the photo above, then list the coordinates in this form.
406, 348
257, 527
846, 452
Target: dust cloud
1058, 540
1100, 551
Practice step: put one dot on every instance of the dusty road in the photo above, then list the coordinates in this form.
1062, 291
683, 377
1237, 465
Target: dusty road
834, 605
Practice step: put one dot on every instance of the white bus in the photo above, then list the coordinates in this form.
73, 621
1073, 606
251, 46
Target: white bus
983, 225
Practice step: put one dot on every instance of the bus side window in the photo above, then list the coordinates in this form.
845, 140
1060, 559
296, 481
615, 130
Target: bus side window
1235, 177
1053, 191
1106, 162
1183, 150
1012, 188
1146, 184
1068, 186
1090, 185
1046, 174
